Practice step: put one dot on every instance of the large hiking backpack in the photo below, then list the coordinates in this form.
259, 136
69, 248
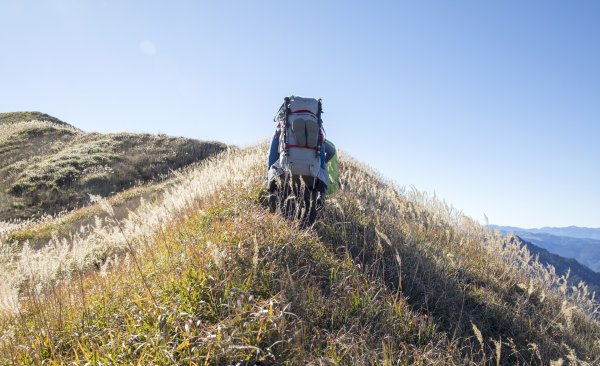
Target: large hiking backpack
302, 136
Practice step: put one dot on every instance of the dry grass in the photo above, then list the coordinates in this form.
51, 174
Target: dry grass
38, 231
7, 118
207, 275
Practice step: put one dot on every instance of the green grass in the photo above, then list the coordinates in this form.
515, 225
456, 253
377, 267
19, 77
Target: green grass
64, 168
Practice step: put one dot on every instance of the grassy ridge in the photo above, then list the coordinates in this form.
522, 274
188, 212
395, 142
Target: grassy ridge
207, 275
7, 118
47, 166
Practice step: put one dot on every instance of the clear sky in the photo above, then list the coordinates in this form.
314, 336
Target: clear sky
492, 105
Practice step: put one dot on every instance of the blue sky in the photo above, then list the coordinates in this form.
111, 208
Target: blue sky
494, 105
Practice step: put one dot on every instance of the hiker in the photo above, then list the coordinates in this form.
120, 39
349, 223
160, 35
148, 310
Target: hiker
305, 149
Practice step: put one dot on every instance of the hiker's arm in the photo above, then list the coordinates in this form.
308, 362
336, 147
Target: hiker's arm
274, 149
329, 151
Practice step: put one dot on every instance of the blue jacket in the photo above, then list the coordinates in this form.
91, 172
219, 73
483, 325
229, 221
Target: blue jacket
274, 149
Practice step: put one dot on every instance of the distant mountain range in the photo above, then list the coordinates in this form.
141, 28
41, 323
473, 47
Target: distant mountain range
578, 271
570, 251
582, 244
570, 231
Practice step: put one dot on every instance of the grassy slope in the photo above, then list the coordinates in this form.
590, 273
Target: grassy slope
210, 276
38, 233
47, 166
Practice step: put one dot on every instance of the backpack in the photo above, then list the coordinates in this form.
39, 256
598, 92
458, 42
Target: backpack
302, 136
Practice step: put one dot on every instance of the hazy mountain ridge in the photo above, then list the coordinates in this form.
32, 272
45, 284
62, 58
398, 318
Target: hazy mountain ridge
47, 165
204, 273
585, 250
570, 231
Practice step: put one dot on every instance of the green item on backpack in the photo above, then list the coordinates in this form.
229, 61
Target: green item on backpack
333, 171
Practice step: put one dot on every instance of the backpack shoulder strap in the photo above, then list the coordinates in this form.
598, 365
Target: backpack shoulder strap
284, 112
319, 113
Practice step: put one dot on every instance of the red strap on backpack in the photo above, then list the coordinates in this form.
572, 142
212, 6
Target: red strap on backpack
303, 147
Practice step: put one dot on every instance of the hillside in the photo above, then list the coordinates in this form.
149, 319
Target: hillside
205, 274
48, 166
